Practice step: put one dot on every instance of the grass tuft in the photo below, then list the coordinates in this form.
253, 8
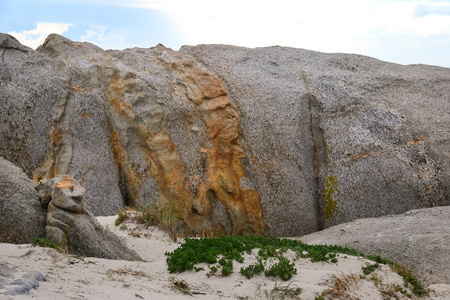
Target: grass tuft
165, 217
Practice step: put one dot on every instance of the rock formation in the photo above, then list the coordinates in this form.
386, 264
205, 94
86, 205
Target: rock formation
22, 216
274, 141
73, 228
419, 239
345, 136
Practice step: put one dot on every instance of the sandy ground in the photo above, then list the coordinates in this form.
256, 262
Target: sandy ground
72, 277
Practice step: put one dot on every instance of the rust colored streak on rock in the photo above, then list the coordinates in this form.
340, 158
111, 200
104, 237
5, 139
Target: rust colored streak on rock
170, 173
66, 183
163, 163
361, 155
79, 89
417, 141
56, 137
224, 154
117, 95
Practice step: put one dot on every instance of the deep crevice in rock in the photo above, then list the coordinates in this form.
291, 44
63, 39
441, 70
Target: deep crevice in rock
319, 153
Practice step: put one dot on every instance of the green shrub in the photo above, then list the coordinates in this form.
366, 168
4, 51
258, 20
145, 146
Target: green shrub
284, 269
370, 268
43, 242
208, 250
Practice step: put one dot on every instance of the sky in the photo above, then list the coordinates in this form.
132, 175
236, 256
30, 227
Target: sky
403, 31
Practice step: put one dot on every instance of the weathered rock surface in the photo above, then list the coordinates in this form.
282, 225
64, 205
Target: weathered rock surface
14, 283
72, 227
419, 239
22, 216
346, 136
237, 141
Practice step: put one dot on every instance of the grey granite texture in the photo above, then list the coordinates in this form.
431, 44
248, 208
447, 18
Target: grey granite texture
22, 216
418, 239
306, 140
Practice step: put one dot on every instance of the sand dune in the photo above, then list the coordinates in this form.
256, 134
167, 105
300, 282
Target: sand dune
72, 277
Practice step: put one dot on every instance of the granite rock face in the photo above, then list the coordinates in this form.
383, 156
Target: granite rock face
419, 239
274, 141
22, 216
73, 228
346, 136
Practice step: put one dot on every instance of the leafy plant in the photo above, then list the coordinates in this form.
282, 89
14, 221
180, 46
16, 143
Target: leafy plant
284, 268
213, 269
227, 267
253, 270
370, 268
43, 242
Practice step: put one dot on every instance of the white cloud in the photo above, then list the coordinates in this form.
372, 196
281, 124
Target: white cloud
354, 26
34, 38
324, 25
105, 37
402, 18
441, 8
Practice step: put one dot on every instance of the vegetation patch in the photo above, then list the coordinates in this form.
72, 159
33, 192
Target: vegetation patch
42, 242
410, 279
219, 254
370, 268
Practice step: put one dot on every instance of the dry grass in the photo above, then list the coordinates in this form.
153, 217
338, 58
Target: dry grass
164, 216
126, 271
341, 287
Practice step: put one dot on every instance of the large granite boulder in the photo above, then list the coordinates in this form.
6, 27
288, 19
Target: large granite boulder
274, 141
73, 228
419, 239
344, 136
22, 216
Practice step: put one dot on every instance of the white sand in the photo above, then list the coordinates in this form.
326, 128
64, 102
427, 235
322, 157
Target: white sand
71, 277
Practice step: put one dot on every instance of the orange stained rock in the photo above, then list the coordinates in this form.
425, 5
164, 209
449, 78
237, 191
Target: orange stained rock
361, 154
224, 152
66, 183
116, 93
79, 89
418, 140
56, 137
